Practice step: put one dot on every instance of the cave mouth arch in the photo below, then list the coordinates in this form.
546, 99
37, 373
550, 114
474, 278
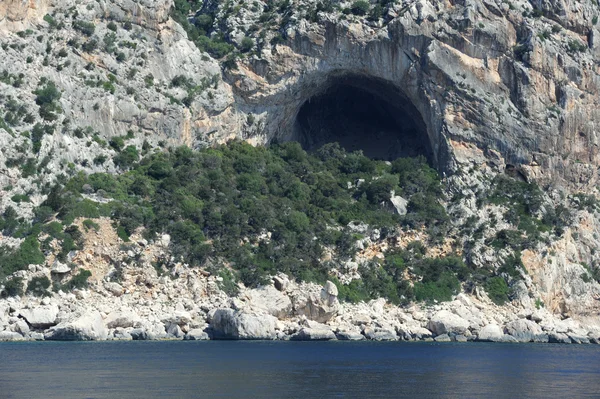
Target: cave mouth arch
363, 113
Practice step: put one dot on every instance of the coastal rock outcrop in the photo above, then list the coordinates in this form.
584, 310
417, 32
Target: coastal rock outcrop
444, 322
525, 331
232, 324
322, 307
89, 327
41, 316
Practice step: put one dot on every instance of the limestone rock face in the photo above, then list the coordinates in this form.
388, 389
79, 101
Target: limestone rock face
271, 301
196, 335
123, 319
320, 308
18, 14
231, 324
10, 336
310, 334
491, 332
41, 316
89, 327
445, 322
524, 330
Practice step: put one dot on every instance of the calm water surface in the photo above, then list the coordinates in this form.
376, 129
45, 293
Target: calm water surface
297, 370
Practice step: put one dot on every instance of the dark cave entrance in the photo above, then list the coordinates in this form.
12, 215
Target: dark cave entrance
365, 114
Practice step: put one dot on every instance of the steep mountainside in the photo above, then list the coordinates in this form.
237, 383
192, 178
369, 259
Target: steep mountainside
499, 97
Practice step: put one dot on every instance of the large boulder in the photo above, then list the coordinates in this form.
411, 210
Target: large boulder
196, 334
313, 334
41, 316
123, 319
524, 330
559, 338
89, 327
491, 333
59, 268
445, 322
321, 308
235, 324
271, 301
349, 336
10, 336
380, 334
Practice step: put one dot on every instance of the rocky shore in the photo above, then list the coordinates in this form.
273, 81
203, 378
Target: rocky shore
192, 307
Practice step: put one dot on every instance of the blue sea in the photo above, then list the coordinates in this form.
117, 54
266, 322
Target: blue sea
237, 369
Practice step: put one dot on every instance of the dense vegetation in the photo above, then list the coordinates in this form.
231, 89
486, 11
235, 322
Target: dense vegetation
264, 210
219, 204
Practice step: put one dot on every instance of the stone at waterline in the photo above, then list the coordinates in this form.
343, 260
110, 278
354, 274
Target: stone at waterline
89, 327
40, 316
235, 324
444, 322
311, 334
490, 333
196, 334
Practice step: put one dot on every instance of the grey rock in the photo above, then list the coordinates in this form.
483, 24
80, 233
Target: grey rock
271, 301
196, 335
310, 334
121, 334
60, 268
138, 334
442, 338
523, 330
10, 336
114, 288
22, 327
280, 282
380, 334
509, 339
122, 319
175, 331
559, 338
444, 322
460, 338
491, 333
322, 308
89, 327
579, 339
40, 316
234, 324
349, 336
399, 204
36, 336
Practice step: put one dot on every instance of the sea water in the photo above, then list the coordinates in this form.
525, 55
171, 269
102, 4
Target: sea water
238, 369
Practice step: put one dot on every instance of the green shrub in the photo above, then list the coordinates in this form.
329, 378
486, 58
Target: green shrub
87, 28
18, 198
360, 7
47, 96
79, 281
91, 225
127, 157
246, 44
497, 290
13, 287
38, 286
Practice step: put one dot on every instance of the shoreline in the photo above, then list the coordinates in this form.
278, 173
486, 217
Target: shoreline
283, 311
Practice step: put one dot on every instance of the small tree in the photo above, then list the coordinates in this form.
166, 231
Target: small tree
246, 45
38, 286
13, 287
360, 7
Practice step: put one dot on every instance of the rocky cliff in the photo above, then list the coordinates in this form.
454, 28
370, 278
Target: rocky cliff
481, 88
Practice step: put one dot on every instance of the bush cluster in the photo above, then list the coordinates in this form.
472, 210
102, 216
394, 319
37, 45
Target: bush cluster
222, 204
